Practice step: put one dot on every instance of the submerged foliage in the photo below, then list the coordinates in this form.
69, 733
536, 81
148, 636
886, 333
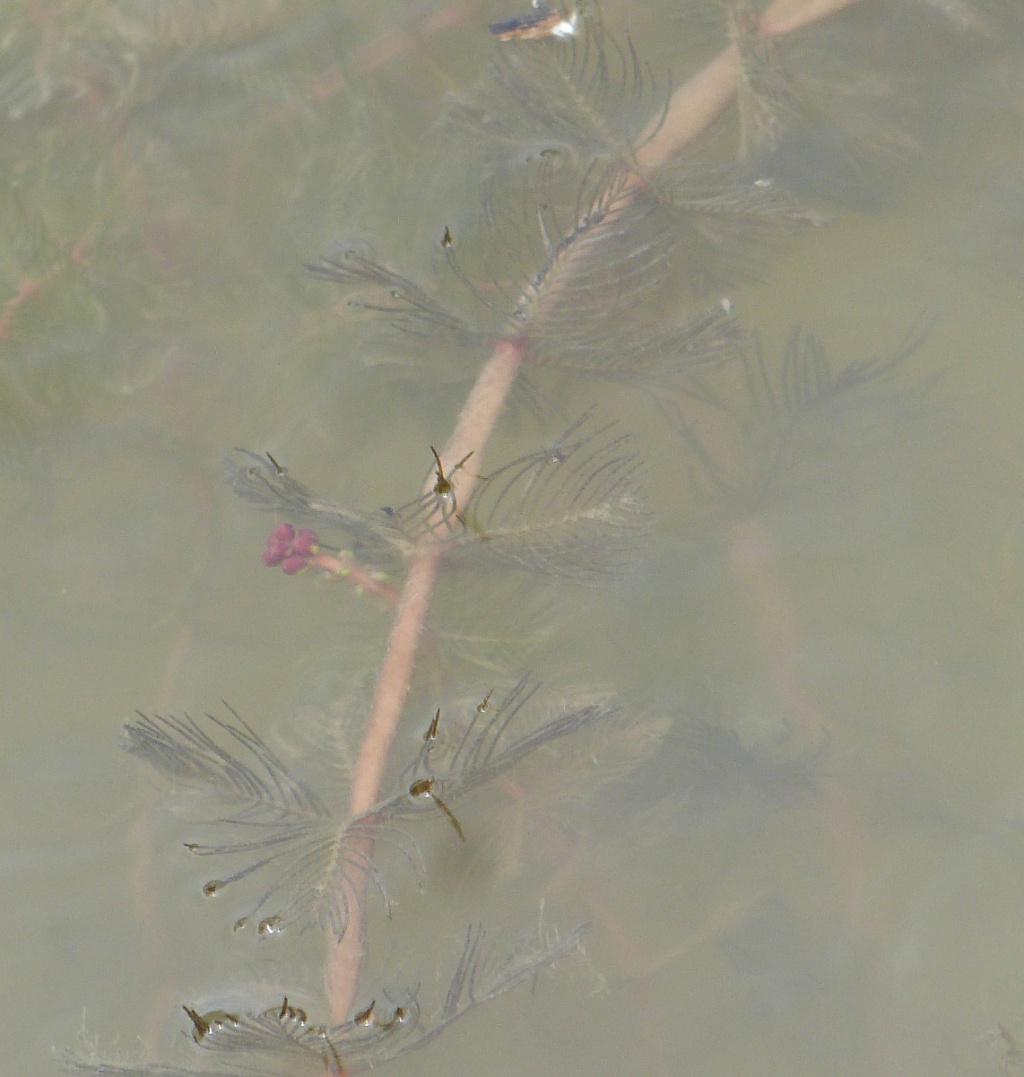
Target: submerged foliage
574, 508
579, 261
313, 857
282, 1040
590, 95
804, 415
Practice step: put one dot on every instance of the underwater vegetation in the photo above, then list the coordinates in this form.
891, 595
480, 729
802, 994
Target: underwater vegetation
611, 206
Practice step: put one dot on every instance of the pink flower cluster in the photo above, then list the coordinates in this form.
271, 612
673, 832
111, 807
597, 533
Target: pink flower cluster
289, 548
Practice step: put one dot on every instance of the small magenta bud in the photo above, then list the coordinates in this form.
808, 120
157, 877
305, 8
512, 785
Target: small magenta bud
305, 542
289, 548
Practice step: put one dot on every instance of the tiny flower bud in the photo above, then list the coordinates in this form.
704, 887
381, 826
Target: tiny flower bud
305, 542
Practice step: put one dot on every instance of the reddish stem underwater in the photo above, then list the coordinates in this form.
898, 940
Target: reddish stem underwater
693, 107
480, 413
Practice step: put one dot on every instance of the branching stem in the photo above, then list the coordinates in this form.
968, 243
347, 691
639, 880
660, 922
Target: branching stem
694, 106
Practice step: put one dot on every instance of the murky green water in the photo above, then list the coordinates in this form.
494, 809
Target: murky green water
818, 869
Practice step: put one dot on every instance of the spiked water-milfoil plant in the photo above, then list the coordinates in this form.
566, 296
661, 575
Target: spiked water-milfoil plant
613, 272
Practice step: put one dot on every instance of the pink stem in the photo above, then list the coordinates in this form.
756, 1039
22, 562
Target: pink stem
484, 406
344, 566
694, 106
482, 409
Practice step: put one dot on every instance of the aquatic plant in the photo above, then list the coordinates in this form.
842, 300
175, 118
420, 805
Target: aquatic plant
623, 244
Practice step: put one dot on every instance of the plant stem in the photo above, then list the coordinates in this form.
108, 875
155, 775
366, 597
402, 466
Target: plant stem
693, 107
479, 415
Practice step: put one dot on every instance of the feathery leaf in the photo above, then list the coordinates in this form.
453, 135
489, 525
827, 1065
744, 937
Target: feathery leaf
262, 482
315, 859
574, 508
282, 1040
591, 93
